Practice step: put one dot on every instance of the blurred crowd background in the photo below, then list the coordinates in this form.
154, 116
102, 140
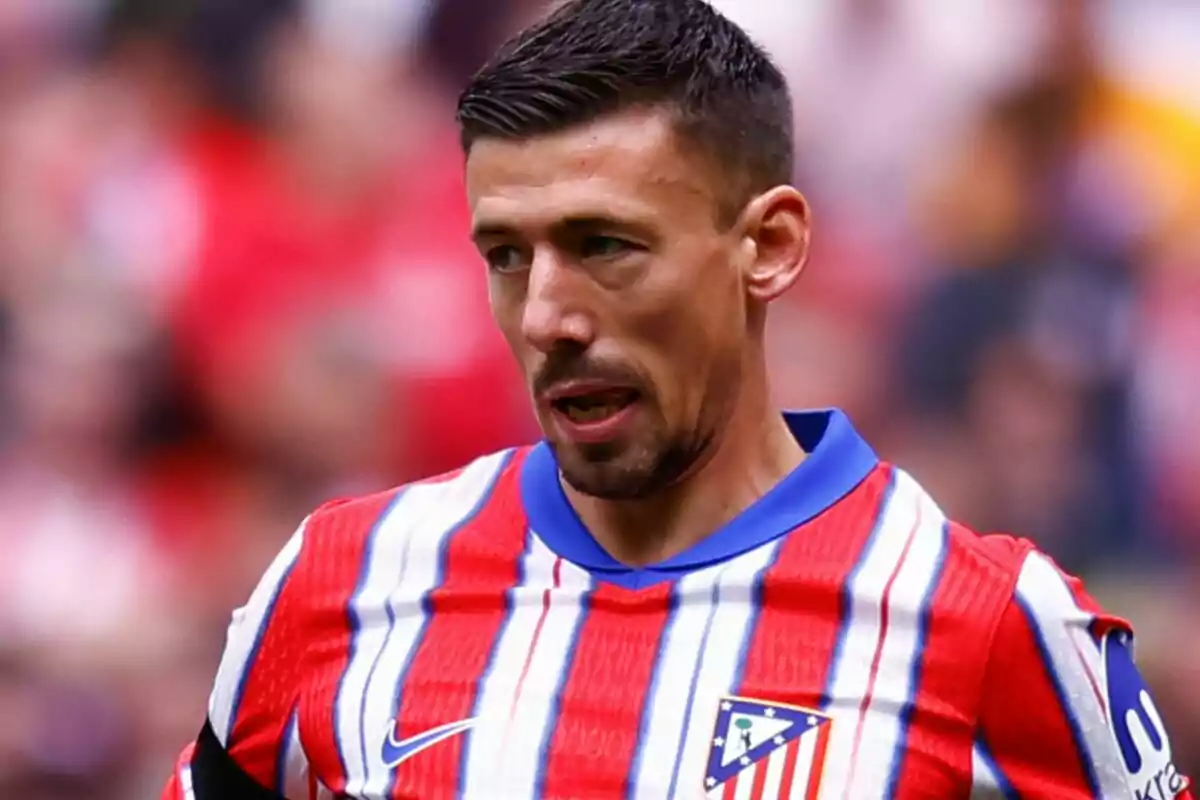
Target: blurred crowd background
235, 281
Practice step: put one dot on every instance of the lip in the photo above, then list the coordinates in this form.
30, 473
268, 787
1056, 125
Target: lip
569, 389
597, 432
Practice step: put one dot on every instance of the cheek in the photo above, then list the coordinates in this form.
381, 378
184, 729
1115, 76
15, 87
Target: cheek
699, 324
508, 323
707, 348
500, 299
684, 353
680, 300
505, 309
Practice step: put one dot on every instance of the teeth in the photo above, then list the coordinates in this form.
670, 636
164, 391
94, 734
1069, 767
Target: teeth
590, 414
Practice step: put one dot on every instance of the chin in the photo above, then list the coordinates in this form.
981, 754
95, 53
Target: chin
608, 482
606, 470
617, 471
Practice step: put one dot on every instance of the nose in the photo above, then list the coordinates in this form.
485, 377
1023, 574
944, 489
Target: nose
555, 305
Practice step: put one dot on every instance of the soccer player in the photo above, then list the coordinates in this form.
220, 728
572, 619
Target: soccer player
682, 592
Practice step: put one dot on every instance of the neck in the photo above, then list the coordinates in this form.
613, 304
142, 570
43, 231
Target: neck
754, 451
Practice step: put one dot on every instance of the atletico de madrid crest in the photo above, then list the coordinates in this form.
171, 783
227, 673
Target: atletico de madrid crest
765, 751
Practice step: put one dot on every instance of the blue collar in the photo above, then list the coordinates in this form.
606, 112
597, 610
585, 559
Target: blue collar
838, 460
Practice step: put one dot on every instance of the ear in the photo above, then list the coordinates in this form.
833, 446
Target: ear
776, 229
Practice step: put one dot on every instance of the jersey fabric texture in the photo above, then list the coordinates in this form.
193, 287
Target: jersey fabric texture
467, 637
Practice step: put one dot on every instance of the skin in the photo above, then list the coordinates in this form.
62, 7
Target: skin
608, 262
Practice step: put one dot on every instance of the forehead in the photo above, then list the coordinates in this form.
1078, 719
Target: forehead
629, 165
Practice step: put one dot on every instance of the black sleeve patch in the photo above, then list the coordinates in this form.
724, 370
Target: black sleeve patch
216, 776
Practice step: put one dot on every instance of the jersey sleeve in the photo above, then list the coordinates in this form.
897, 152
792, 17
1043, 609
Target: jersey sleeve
248, 747
1064, 711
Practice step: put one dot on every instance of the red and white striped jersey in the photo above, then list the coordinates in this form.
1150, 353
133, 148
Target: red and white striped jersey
467, 637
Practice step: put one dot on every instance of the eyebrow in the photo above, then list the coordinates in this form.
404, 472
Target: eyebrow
576, 223
490, 230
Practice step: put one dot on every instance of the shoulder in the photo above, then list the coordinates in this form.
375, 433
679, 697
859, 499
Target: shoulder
342, 530
981, 576
1062, 708
355, 549
327, 562
1033, 582
914, 519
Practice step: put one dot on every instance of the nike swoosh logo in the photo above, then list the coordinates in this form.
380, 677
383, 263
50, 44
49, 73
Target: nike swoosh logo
395, 752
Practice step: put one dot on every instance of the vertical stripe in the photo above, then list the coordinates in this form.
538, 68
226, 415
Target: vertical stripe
885, 609
383, 554
760, 776
369, 606
600, 704
663, 669
465, 615
845, 612
1060, 694
940, 723
939, 540
802, 775
795, 618
363, 608
804, 614
1056, 619
554, 583
403, 566
772, 783
663, 722
744, 787
343, 542
862, 635
789, 766
269, 687
511, 606
817, 767
500, 693
874, 678
1021, 716
245, 640
520, 772
684, 709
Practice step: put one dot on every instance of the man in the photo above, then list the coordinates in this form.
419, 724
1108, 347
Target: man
681, 592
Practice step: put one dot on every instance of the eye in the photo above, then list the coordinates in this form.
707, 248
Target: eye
604, 247
505, 258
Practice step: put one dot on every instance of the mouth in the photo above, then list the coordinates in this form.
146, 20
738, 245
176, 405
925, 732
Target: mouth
591, 413
591, 407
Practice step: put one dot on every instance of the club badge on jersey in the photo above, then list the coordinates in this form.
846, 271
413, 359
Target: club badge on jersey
1136, 724
778, 750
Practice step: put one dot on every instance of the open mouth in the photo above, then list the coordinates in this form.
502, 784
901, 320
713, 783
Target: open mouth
592, 407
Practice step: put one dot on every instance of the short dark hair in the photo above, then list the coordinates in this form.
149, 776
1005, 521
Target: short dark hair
591, 58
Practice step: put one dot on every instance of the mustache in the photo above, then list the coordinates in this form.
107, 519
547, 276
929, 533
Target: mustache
561, 366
